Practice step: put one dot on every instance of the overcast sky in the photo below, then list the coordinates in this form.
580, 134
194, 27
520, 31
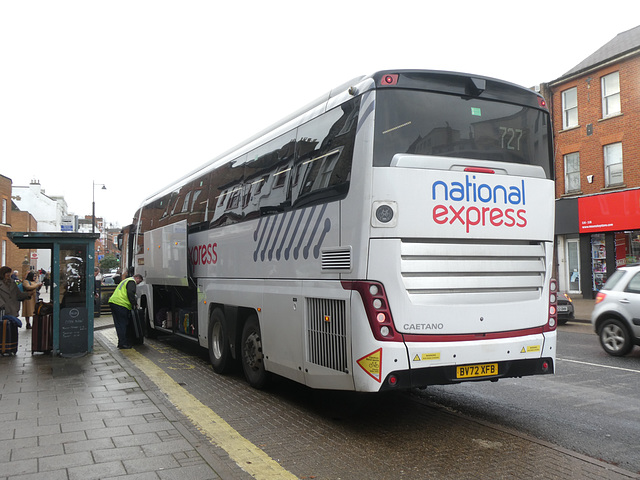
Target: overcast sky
133, 94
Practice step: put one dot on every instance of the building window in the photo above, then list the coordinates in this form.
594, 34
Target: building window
572, 172
570, 108
613, 165
611, 94
4, 212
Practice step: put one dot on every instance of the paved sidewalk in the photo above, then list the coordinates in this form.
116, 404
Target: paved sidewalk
95, 417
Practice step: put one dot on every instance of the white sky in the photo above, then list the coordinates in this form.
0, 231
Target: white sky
135, 93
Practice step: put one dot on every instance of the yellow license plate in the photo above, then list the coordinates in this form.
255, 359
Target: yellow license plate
471, 371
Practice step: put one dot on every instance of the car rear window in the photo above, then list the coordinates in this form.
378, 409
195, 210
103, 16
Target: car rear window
613, 280
634, 284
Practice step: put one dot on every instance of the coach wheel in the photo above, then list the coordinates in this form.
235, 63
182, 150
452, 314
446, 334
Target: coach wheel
219, 351
252, 355
150, 332
615, 338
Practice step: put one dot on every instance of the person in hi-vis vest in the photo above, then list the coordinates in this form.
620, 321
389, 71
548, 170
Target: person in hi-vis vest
121, 303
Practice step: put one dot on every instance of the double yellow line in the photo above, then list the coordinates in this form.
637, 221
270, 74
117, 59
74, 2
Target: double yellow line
248, 457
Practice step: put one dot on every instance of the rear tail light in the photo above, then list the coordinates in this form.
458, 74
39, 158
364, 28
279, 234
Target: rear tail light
389, 79
600, 297
377, 308
479, 170
552, 319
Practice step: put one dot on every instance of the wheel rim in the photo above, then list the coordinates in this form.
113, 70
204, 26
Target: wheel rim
253, 351
613, 337
216, 340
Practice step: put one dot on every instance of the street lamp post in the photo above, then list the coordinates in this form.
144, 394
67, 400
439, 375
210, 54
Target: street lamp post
93, 205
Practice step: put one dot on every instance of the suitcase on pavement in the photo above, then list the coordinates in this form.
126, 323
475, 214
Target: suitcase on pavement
135, 330
42, 333
8, 336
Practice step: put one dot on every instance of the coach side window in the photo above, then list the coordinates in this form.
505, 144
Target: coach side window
223, 182
324, 152
266, 173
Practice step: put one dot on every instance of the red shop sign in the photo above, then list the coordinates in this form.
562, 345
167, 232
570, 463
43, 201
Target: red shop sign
609, 212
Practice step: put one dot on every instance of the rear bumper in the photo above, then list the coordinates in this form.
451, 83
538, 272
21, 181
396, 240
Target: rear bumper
446, 375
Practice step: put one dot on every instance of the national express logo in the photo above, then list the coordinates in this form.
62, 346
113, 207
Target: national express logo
204, 254
497, 205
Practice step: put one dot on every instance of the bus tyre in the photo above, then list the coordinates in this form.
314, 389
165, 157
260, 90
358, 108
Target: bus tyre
219, 350
252, 355
150, 332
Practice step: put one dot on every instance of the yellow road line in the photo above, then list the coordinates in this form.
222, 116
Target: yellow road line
248, 457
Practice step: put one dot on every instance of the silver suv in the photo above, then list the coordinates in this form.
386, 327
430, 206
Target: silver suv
616, 315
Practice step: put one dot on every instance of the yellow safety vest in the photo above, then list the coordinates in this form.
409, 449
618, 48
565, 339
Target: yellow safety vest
120, 296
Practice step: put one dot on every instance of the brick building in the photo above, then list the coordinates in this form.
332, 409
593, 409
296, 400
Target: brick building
596, 112
13, 219
5, 218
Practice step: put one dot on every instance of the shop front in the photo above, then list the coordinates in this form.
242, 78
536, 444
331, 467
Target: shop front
595, 235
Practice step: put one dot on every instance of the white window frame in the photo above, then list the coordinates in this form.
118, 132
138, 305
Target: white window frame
570, 108
613, 166
571, 175
4, 211
573, 276
610, 87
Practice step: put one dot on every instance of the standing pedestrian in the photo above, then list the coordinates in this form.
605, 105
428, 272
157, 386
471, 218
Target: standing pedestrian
10, 295
31, 286
46, 282
121, 303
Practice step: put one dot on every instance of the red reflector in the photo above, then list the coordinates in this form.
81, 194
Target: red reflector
479, 170
390, 79
545, 367
393, 380
542, 102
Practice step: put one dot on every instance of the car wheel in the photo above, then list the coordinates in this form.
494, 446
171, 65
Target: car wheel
615, 338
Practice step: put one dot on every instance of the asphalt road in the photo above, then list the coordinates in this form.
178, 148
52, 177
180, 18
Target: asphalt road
591, 405
515, 428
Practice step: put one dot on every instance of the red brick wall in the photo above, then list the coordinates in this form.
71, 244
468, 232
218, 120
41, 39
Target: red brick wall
5, 194
624, 128
22, 222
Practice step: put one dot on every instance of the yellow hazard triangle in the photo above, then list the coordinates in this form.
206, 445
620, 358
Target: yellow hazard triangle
372, 364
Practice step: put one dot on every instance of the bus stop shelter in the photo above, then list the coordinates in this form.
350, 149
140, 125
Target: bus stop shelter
72, 286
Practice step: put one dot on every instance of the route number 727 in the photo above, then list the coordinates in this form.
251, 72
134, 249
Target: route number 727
511, 138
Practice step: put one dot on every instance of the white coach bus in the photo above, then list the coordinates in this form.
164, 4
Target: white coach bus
397, 232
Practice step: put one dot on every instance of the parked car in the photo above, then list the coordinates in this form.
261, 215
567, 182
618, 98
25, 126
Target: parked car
566, 311
616, 315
